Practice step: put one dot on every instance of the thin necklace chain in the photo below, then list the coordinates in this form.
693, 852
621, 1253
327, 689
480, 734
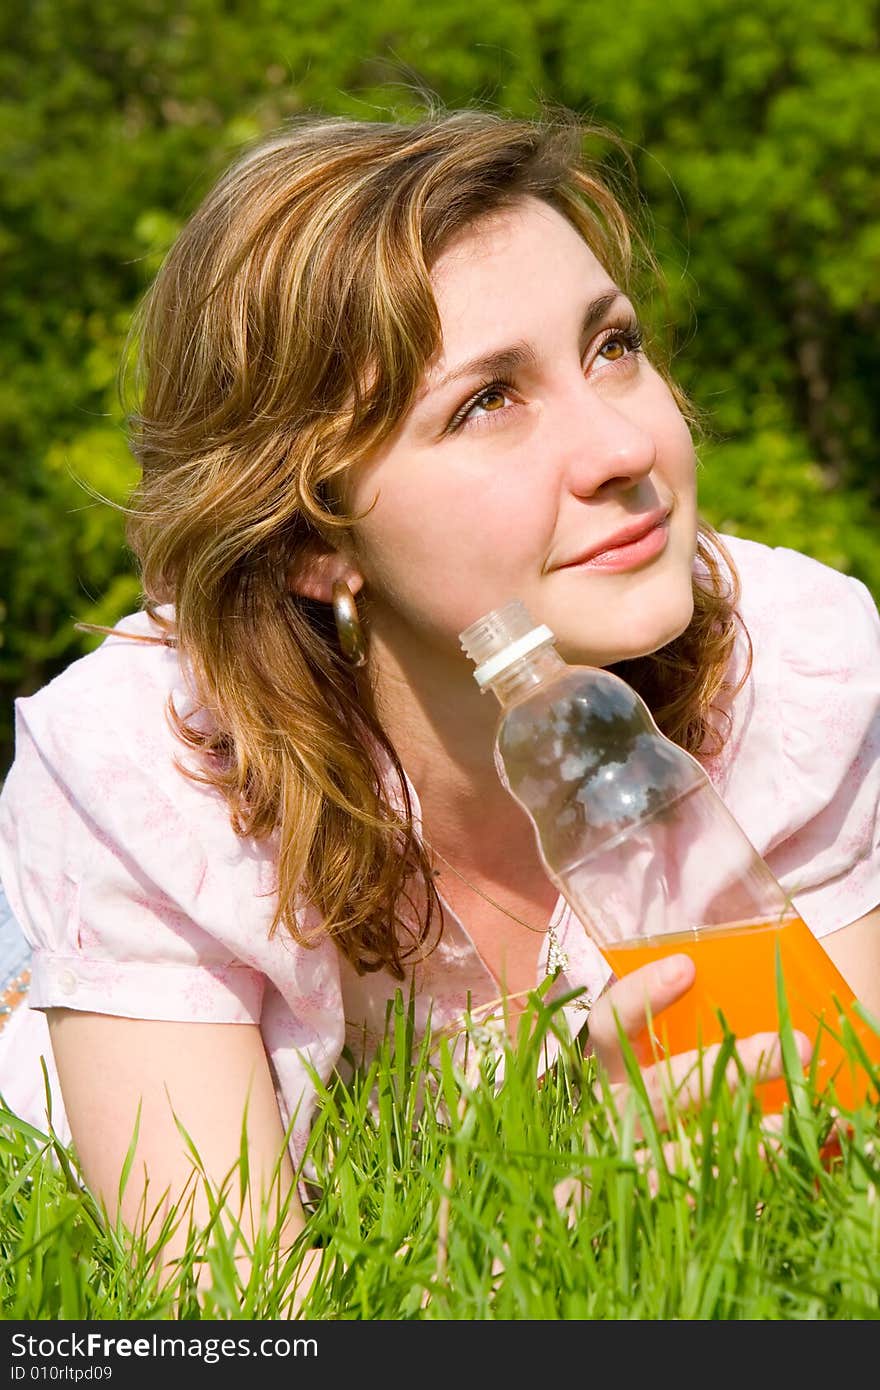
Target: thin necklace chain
556, 957
539, 931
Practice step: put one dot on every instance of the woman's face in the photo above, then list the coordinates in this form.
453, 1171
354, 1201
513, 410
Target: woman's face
541, 441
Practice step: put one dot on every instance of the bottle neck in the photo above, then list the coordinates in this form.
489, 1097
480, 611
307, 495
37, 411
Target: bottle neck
525, 675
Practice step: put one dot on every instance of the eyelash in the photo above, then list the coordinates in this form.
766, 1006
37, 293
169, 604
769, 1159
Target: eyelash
630, 336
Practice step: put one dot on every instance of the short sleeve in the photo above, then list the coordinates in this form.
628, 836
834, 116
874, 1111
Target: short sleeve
825, 849
105, 850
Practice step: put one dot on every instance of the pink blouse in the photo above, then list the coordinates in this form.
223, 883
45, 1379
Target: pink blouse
140, 900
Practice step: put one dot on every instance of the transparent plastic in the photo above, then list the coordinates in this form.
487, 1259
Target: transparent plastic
632, 832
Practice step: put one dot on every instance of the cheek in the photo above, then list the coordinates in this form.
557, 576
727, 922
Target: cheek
672, 435
451, 522
683, 466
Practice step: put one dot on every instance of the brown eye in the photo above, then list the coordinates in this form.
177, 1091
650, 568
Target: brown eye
621, 343
613, 349
494, 399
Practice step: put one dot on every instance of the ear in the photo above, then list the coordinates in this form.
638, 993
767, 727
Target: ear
317, 568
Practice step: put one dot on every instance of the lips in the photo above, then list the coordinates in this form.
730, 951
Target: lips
634, 531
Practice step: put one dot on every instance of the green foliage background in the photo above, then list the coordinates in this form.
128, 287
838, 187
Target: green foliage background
755, 131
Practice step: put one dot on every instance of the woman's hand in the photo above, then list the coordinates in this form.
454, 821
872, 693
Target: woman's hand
674, 1083
629, 1003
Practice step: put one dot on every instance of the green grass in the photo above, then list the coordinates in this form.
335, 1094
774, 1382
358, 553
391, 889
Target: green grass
442, 1191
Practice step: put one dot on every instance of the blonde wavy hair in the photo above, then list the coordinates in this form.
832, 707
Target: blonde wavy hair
281, 342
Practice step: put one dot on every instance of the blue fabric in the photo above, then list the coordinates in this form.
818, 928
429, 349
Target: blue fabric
15, 951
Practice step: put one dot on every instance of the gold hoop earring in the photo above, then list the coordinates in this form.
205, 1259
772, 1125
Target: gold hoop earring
348, 624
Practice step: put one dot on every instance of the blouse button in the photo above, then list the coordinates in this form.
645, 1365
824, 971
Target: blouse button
67, 982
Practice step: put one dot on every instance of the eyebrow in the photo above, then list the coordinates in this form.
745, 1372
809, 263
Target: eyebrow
519, 355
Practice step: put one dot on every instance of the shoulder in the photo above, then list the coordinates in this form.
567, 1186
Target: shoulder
801, 771
118, 865
810, 612
109, 706
96, 756
815, 643
120, 689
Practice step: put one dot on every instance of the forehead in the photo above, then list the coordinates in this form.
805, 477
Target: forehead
509, 273
530, 234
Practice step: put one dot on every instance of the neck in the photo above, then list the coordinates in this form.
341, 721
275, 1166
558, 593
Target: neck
443, 729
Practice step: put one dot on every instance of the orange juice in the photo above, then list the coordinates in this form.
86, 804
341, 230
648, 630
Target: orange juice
736, 973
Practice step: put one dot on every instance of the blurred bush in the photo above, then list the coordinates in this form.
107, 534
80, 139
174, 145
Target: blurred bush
754, 128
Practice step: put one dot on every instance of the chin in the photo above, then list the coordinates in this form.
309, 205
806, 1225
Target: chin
657, 635
634, 635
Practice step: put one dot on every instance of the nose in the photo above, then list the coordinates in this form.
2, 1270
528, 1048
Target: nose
603, 445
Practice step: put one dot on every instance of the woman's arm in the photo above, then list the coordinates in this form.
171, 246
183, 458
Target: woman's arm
202, 1073
855, 951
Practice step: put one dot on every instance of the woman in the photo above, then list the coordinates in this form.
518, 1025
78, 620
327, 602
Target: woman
392, 376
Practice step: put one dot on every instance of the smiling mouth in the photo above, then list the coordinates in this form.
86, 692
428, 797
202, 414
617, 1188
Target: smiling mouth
633, 543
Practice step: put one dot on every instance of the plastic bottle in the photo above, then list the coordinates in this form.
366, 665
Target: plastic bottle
632, 832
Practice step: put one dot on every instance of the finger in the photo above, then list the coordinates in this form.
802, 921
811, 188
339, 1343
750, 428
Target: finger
570, 1194
630, 1002
682, 1082
761, 1054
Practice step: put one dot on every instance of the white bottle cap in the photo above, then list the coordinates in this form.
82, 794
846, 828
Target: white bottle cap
500, 638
